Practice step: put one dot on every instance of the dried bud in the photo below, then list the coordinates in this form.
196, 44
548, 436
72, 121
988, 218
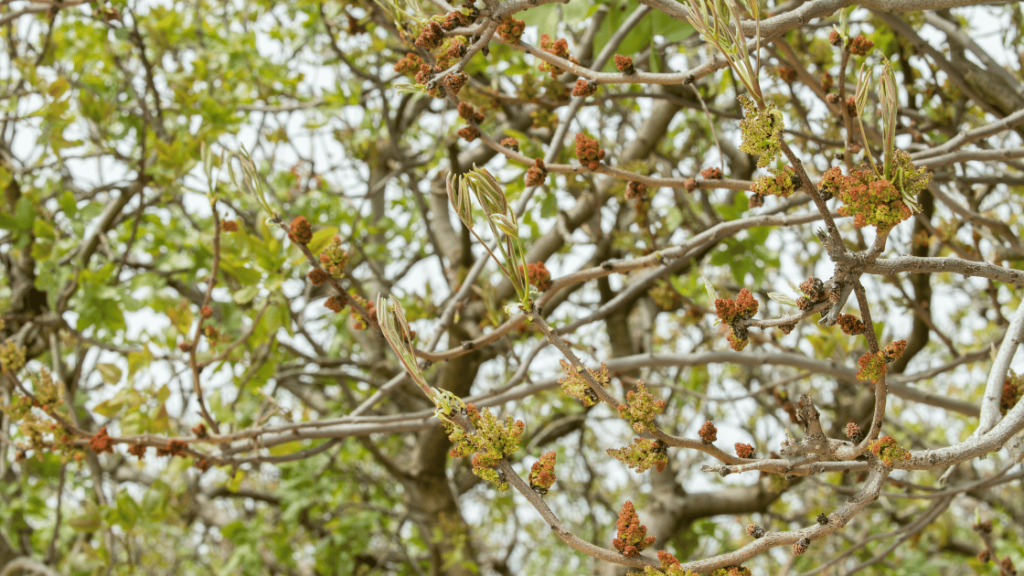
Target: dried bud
822, 519
137, 450
711, 173
317, 276
300, 231
624, 64
334, 304
801, 546
708, 433
860, 45
755, 531
853, 432
101, 442
584, 88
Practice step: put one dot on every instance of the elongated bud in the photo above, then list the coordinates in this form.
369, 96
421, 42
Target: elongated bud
491, 196
458, 197
207, 157
506, 224
888, 99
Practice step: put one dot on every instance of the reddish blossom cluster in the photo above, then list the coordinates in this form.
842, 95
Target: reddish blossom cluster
558, 48
888, 451
873, 200
744, 450
174, 448
1013, 389
641, 408
334, 258
454, 19
335, 304
642, 455
101, 442
584, 88
137, 450
317, 276
425, 74
787, 74
860, 45
200, 430
813, 288
755, 531
511, 144
576, 385
851, 107
636, 191
893, 351
300, 231
588, 152
455, 82
511, 30
492, 441
851, 324
835, 38
708, 433
853, 432
755, 201
826, 82
229, 225
800, 546
872, 367
742, 308
470, 114
711, 173
469, 133
632, 536
538, 276
690, 184
782, 183
625, 64
542, 473
537, 173
206, 312
431, 37
456, 50
409, 64
202, 464
734, 313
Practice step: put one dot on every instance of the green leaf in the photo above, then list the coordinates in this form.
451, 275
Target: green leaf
321, 238
245, 295
110, 372
68, 204
673, 30
128, 510
88, 518
58, 87
42, 229
24, 215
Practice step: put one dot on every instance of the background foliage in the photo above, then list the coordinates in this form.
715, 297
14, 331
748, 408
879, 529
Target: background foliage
187, 404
